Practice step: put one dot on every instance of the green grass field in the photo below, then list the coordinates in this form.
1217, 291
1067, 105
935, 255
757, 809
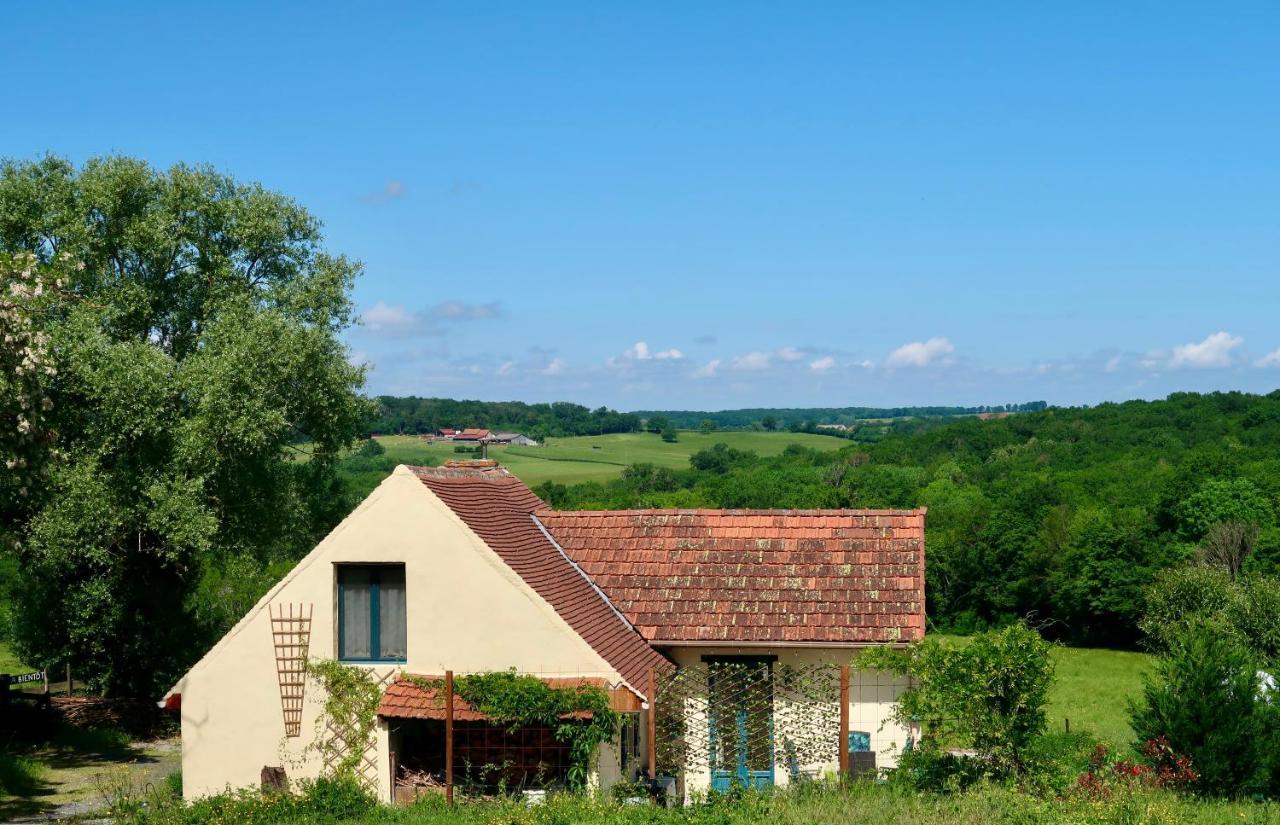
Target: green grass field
602, 457
1092, 688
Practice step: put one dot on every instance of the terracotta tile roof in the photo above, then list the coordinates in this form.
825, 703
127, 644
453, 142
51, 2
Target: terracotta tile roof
471, 433
843, 576
498, 507
409, 698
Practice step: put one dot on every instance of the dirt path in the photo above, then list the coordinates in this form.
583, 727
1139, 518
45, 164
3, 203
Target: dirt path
75, 783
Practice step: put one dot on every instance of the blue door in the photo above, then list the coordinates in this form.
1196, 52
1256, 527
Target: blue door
740, 722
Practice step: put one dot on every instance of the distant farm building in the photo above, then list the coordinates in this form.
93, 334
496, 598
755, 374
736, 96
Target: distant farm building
518, 439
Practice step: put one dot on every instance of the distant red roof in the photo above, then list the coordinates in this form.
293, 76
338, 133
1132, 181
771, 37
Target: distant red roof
471, 434
499, 508
416, 697
843, 576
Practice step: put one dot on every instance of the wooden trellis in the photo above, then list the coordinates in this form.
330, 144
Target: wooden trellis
291, 635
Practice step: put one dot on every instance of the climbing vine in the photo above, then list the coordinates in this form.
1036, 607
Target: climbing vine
346, 722
580, 716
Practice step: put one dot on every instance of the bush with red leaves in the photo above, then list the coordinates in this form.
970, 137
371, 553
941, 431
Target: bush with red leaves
1164, 769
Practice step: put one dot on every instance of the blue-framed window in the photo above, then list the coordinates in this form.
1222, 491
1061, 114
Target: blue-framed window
371, 613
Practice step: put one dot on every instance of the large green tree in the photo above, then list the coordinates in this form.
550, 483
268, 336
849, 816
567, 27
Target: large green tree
194, 358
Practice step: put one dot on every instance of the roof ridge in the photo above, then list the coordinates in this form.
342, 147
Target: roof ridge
731, 511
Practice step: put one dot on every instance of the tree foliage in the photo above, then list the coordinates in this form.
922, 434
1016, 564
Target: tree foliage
427, 415
1206, 699
1063, 516
194, 343
988, 695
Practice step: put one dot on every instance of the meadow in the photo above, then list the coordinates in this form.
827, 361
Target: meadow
579, 459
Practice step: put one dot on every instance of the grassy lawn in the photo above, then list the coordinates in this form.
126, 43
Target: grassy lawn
865, 803
602, 457
77, 770
9, 662
1092, 687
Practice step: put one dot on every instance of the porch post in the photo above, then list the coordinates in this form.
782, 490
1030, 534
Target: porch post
448, 737
653, 723
844, 721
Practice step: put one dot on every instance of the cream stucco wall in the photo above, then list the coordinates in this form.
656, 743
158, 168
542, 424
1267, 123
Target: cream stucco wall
467, 612
872, 695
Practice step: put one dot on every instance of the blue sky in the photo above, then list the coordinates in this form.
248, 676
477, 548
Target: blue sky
729, 204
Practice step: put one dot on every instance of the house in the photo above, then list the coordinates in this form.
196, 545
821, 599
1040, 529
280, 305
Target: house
446, 433
463, 569
514, 438
472, 434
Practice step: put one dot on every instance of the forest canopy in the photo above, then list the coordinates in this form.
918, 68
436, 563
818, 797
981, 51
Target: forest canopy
1063, 517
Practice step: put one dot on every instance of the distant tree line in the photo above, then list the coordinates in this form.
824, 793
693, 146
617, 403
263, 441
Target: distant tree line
785, 418
413, 415
1064, 517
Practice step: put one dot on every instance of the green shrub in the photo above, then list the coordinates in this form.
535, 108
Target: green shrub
318, 801
988, 695
933, 769
1180, 598
1203, 697
1254, 614
1247, 609
370, 448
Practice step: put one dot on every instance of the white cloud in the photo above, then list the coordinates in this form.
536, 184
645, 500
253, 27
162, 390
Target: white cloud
708, 369
507, 368
639, 351
388, 318
790, 354
1212, 352
556, 367
384, 318
934, 352
823, 364
359, 358
1271, 359
1113, 364
752, 361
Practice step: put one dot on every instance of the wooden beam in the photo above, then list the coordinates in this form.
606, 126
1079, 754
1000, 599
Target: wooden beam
448, 737
653, 723
392, 759
844, 721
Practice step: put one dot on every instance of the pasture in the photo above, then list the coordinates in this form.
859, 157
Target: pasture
602, 457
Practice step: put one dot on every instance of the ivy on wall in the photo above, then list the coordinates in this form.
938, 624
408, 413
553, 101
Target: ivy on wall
346, 721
